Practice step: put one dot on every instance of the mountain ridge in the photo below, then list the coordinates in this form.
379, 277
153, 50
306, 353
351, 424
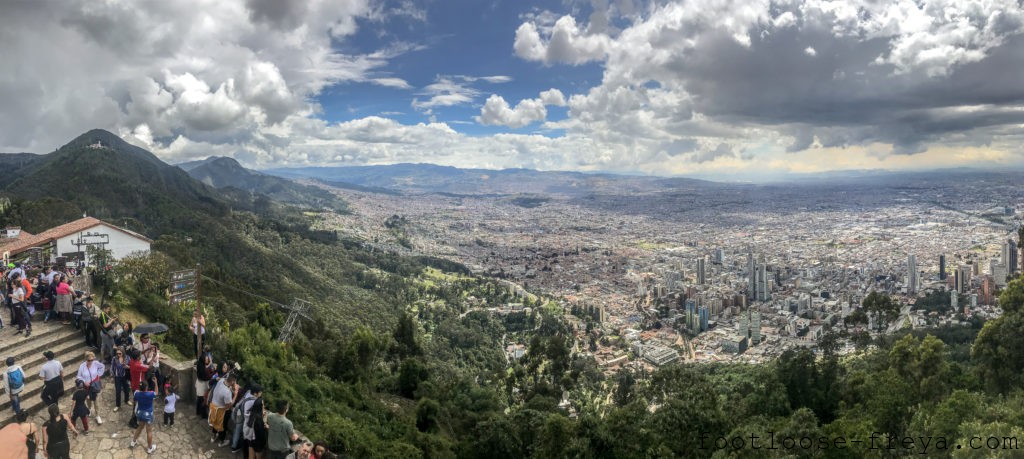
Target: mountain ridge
223, 172
433, 178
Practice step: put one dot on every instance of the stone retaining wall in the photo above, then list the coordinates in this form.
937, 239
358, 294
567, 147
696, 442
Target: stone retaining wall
182, 374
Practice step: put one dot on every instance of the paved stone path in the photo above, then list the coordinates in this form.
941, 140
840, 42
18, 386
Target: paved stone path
188, 438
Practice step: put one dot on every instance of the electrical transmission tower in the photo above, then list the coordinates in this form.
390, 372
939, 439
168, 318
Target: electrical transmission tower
298, 310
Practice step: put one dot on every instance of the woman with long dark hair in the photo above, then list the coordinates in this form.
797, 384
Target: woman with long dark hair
144, 412
31, 432
120, 369
55, 434
203, 373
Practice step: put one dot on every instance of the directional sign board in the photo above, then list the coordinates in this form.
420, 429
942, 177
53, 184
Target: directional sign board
183, 297
184, 286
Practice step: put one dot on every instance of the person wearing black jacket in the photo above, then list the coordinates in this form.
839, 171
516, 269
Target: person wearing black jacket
90, 323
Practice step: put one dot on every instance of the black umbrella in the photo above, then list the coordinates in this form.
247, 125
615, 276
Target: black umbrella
153, 328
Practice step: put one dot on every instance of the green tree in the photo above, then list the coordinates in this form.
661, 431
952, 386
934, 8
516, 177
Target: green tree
411, 373
944, 419
427, 411
624, 387
883, 308
922, 365
998, 351
856, 317
405, 337
363, 350
555, 438
997, 440
860, 339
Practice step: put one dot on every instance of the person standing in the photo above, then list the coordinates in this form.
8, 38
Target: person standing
202, 384
255, 428
198, 327
238, 418
281, 432
151, 357
14, 383
144, 413
27, 303
52, 374
136, 370
119, 369
9, 301
170, 401
55, 434
220, 402
79, 408
106, 323
19, 314
77, 309
90, 324
91, 371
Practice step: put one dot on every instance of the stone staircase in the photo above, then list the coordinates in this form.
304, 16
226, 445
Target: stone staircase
67, 343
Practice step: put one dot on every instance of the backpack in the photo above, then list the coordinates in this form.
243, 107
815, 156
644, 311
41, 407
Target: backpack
16, 379
87, 314
255, 410
238, 413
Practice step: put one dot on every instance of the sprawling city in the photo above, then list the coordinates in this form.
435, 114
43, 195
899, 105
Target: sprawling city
726, 271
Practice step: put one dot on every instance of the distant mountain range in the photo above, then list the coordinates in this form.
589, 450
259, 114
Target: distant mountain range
431, 178
223, 172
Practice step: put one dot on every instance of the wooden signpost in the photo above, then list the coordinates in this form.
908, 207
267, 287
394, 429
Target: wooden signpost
185, 286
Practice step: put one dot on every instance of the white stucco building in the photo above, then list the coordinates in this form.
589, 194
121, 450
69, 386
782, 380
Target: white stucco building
71, 241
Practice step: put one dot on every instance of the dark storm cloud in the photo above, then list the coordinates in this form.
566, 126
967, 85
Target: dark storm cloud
282, 14
775, 82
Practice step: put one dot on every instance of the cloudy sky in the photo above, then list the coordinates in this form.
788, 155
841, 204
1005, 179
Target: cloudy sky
714, 88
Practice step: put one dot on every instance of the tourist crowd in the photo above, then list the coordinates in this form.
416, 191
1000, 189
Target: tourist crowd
131, 362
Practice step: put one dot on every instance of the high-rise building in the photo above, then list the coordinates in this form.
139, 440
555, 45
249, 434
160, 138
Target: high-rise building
691, 314
755, 327
704, 315
942, 267
1010, 257
911, 273
720, 256
962, 279
999, 272
752, 275
762, 287
701, 271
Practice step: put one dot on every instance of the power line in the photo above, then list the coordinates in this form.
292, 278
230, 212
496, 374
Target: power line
248, 292
299, 309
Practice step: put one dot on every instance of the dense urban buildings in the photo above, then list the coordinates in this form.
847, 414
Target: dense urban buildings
757, 274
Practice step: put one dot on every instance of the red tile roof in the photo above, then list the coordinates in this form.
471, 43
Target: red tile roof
26, 241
